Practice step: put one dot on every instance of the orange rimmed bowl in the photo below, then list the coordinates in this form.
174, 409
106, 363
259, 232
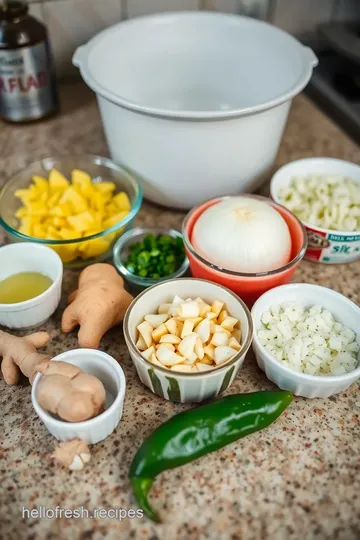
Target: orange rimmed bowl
249, 286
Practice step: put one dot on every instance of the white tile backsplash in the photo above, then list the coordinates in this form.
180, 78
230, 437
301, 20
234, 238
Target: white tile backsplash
301, 16
72, 23
144, 7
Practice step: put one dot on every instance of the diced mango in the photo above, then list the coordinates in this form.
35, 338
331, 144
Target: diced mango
57, 181
121, 200
56, 209
94, 248
81, 222
113, 220
105, 187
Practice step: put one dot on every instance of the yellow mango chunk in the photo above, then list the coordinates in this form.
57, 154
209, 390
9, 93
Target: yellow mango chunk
21, 212
41, 183
37, 209
105, 187
81, 178
57, 181
94, 248
25, 226
81, 222
68, 234
78, 203
113, 220
121, 200
39, 231
68, 252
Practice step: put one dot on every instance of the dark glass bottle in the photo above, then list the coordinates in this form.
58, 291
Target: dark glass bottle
27, 75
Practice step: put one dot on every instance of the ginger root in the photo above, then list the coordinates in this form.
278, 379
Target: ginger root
97, 305
68, 392
72, 454
20, 354
63, 389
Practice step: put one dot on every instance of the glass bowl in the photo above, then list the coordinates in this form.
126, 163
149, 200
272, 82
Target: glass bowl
100, 169
121, 252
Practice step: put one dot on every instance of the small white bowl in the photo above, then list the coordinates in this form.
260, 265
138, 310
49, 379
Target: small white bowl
301, 384
324, 245
186, 387
29, 257
105, 368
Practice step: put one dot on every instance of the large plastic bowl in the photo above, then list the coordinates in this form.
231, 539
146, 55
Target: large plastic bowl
101, 170
195, 102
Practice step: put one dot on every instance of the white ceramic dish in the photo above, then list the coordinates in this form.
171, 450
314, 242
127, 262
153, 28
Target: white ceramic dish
197, 106
29, 257
107, 369
324, 245
189, 387
301, 384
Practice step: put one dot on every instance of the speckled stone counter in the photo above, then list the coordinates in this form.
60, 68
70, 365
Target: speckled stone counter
299, 479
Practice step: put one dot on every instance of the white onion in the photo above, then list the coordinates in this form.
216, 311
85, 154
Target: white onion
244, 235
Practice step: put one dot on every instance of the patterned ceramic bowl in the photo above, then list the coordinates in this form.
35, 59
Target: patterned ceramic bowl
186, 387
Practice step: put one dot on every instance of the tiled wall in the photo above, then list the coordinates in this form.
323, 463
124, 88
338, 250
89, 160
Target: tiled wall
73, 22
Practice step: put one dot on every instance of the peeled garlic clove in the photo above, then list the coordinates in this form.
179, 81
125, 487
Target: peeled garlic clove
187, 328
148, 353
72, 454
199, 349
209, 350
140, 344
164, 308
171, 326
222, 316
219, 338
223, 353
145, 330
155, 361
216, 307
187, 345
189, 310
159, 332
156, 320
234, 344
170, 338
203, 330
237, 334
229, 323
203, 367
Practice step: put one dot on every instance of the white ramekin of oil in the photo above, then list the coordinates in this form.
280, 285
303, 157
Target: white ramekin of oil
30, 284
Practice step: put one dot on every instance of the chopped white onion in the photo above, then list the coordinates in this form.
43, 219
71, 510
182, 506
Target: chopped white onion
327, 201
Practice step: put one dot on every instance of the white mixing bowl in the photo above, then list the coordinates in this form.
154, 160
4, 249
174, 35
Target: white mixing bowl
195, 103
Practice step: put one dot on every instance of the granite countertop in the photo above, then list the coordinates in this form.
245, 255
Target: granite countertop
298, 479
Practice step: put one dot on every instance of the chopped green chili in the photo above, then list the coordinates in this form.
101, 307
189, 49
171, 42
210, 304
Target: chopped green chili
156, 256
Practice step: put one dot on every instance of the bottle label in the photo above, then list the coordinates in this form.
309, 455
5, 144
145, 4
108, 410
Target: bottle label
27, 86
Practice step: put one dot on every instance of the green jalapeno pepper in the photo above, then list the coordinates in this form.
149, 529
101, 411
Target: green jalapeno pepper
196, 432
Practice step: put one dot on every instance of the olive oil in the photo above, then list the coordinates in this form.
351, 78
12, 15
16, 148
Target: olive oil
23, 286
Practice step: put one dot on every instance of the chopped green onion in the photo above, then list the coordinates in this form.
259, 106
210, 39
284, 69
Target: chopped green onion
155, 257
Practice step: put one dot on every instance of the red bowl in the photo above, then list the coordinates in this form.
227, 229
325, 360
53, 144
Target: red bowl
248, 286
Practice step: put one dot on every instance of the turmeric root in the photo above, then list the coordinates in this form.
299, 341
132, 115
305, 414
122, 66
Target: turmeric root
72, 454
97, 305
63, 389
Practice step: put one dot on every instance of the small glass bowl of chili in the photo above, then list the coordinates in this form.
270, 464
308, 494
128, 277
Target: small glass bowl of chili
146, 256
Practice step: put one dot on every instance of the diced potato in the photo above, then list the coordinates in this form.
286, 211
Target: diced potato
159, 332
